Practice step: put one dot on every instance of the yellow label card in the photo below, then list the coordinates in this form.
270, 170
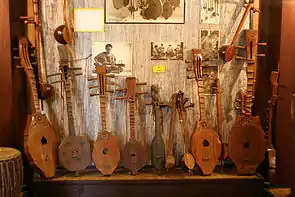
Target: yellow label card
159, 69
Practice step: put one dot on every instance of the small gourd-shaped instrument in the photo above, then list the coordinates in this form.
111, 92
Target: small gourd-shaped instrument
134, 153
40, 138
167, 9
205, 143
106, 151
188, 158
246, 143
74, 151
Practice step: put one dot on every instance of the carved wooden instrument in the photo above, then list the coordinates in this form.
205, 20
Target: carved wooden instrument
205, 143
74, 151
154, 9
134, 153
170, 160
188, 159
167, 9
106, 152
11, 170
45, 90
247, 139
272, 102
40, 138
228, 52
118, 4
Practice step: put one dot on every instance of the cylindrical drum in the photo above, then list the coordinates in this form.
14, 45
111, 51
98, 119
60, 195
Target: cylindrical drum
11, 171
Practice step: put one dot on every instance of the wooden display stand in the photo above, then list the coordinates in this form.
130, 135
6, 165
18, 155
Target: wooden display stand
147, 184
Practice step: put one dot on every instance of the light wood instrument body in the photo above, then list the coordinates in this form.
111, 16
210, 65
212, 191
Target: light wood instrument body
106, 151
134, 153
205, 143
74, 151
247, 144
40, 138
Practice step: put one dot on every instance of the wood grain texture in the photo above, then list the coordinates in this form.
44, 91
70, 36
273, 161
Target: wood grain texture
86, 112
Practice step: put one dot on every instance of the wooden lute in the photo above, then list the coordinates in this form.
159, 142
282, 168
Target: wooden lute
188, 158
227, 52
106, 151
74, 151
118, 4
154, 10
167, 9
40, 140
247, 143
271, 152
134, 153
45, 90
205, 143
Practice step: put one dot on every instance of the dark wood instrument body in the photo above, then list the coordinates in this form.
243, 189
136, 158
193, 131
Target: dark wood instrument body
106, 153
134, 156
40, 140
158, 144
62, 34
11, 170
247, 144
118, 4
206, 148
167, 10
74, 153
154, 9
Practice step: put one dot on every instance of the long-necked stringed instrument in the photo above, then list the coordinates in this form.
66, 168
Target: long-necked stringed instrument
170, 160
74, 151
205, 143
134, 153
247, 139
188, 158
40, 138
45, 90
227, 52
271, 152
106, 151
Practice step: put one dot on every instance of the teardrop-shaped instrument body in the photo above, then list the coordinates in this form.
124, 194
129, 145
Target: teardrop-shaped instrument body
74, 153
167, 10
174, 3
118, 4
154, 9
106, 153
206, 148
125, 2
134, 156
247, 144
62, 34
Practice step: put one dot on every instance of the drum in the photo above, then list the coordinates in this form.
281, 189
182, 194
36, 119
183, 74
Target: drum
11, 171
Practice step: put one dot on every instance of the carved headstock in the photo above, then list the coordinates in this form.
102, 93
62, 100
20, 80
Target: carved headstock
251, 46
181, 104
130, 90
196, 65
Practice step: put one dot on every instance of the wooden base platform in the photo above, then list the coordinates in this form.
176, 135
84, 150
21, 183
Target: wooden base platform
280, 192
148, 184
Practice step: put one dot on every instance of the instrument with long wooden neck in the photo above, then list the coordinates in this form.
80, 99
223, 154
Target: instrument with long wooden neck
40, 140
227, 52
74, 151
271, 152
134, 153
205, 143
170, 160
247, 143
106, 151
188, 159
45, 90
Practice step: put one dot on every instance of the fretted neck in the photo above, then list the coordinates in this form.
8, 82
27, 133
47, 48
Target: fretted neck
132, 118
202, 108
68, 91
251, 69
34, 92
103, 106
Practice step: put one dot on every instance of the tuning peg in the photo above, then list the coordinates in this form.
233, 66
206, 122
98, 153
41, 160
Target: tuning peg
56, 82
190, 77
14, 49
120, 98
141, 92
189, 69
20, 67
26, 18
110, 91
34, 63
92, 79
262, 44
190, 105
240, 47
112, 83
240, 58
121, 90
188, 61
92, 87
141, 84
261, 55
111, 76
78, 74
55, 74
16, 57
94, 94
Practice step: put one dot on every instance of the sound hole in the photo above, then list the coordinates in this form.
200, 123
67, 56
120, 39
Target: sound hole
133, 155
205, 143
43, 140
246, 145
105, 151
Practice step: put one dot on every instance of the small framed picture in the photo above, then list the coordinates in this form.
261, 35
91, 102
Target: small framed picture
166, 50
210, 44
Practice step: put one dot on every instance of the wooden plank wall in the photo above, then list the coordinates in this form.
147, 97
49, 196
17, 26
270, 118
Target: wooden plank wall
87, 119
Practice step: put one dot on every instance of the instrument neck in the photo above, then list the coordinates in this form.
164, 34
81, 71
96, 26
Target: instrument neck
219, 109
158, 120
202, 108
103, 106
172, 129
132, 118
34, 92
251, 75
71, 125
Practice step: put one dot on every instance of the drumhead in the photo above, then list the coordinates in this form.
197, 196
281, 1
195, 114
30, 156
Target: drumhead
8, 153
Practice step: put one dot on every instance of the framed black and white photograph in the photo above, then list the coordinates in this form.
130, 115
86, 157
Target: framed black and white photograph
209, 44
210, 12
145, 11
116, 56
166, 50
